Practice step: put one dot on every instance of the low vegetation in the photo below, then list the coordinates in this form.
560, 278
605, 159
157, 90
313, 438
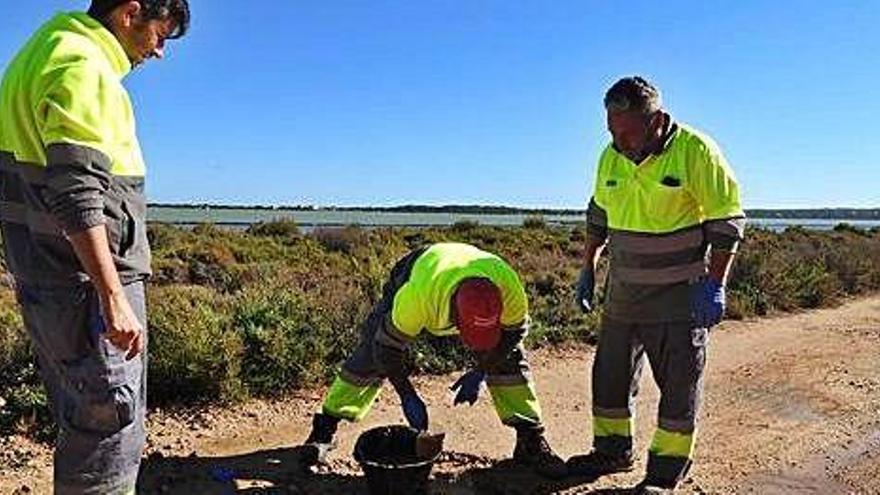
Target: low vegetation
271, 309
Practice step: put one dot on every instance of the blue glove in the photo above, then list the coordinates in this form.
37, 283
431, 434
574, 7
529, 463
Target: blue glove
707, 302
584, 290
467, 387
415, 411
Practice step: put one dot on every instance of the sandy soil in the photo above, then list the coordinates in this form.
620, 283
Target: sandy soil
792, 406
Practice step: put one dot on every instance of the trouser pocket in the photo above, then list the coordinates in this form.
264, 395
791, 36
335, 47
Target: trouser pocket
103, 399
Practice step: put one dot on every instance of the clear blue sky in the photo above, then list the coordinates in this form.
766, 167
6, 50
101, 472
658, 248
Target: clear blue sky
382, 102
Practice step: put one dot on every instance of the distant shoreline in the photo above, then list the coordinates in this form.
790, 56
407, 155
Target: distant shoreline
797, 213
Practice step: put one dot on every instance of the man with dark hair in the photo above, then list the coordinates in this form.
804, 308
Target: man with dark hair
74, 228
444, 289
665, 201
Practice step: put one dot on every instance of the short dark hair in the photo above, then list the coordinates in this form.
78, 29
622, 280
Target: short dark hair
633, 94
153, 9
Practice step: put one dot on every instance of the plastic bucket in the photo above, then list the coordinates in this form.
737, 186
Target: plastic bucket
387, 455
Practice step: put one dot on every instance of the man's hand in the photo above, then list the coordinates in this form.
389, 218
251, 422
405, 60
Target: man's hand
468, 387
707, 302
584, 291
122, 328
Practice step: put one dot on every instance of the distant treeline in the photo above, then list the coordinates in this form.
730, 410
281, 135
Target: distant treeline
816, 213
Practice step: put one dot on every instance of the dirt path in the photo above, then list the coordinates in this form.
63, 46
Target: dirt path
792, 405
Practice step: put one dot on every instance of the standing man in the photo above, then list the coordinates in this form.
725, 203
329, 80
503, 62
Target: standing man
667, 205
444, 289
74, 228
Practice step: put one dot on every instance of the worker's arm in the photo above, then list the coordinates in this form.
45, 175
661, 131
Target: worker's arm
720, 262
597, 233
77, 177
122, 327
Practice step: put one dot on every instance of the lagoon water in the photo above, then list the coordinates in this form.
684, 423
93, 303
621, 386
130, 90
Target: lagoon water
310, 219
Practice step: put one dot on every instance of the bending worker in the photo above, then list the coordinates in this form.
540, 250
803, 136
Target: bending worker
665, 200
444, 289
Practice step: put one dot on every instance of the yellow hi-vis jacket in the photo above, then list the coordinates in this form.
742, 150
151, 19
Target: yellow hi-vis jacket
69, 154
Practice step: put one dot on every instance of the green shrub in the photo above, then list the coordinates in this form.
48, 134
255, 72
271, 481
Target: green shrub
286, 229
194, 354
286, 343
535, 222
235, 314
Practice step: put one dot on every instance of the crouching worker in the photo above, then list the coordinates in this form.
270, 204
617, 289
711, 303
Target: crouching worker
444, 289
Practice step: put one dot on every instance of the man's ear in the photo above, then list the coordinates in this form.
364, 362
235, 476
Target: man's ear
129, 13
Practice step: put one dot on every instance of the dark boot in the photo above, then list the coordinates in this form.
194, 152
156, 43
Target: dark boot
596, 464
533, 450
664, 475
320, 441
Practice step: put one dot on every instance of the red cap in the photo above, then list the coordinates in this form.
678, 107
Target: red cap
478, 313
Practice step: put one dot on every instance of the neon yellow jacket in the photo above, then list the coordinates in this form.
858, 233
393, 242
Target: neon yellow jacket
660, 215
69, 153
423, 302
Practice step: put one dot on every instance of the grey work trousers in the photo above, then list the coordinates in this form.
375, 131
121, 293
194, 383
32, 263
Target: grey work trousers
677, 355
98, 399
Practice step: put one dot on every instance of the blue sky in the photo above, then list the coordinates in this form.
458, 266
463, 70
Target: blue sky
385, 102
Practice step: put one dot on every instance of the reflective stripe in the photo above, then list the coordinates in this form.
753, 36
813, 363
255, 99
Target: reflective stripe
360, 380
676, 425
672, 444
657, 276
65, 153
636, 242
609, 427
32, 173
725, 234
516, 403
37, 221
614, 413
507, 380
390, 336
625, 259
348, 401
597, 220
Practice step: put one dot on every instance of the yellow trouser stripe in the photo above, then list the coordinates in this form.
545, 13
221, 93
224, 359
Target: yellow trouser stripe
348, 401
672, 444
609, 427
515, 403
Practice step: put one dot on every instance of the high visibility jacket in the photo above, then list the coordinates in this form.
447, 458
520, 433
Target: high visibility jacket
660, 215
424, 301
69, 154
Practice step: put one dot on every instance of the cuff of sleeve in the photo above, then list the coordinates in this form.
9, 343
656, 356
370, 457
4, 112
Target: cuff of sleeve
81, 220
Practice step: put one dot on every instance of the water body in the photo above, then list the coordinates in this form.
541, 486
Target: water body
241, 218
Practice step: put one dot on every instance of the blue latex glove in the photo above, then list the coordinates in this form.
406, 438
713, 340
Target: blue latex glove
415, 411
707, 302
584, 290
467, 387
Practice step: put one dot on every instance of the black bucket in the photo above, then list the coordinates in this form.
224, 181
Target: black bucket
388, 456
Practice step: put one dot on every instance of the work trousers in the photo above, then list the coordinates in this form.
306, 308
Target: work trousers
98, 399
676, 352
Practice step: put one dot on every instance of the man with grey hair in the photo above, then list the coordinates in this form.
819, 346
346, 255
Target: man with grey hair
74, 228
666, 205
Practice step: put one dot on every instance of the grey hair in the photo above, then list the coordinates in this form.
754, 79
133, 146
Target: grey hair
633, 94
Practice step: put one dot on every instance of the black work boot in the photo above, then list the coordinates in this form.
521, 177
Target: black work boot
596, 464
533, 450
320, 441
664, 475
